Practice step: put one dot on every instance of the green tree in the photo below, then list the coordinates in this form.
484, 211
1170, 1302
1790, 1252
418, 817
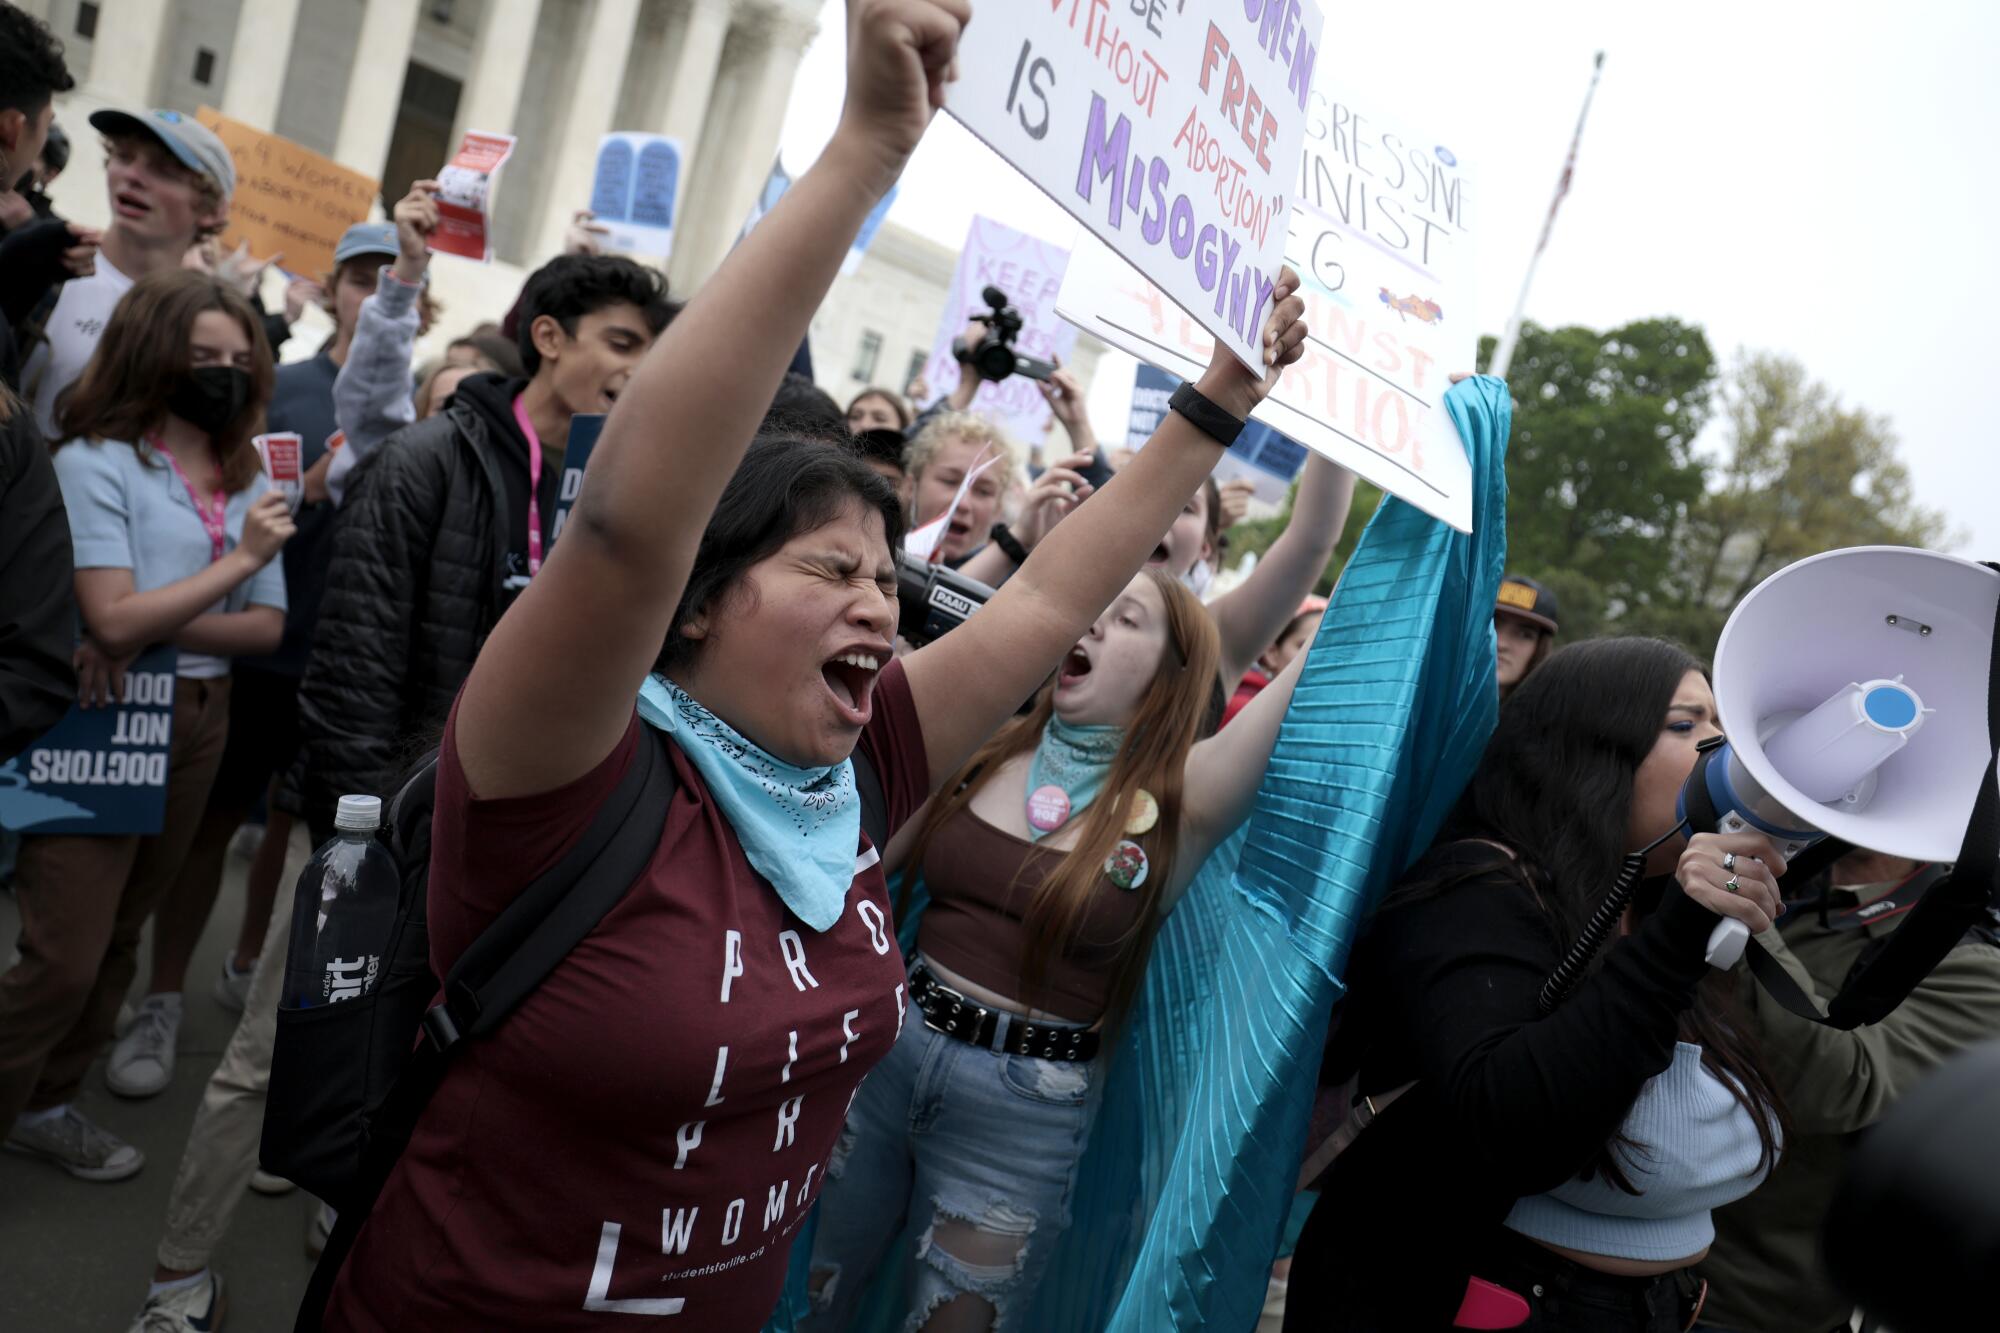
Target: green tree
1798, 474
1601, 465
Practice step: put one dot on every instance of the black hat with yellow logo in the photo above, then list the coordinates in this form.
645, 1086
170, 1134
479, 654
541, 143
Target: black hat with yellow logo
1531, 601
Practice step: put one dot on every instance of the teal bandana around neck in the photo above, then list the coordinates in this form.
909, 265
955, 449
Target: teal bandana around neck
800, 827
1075, 759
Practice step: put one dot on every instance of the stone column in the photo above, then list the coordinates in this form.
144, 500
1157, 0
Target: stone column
754, 116
126, 53
691, 76
375, 85
606, 40
258, 58
499, 68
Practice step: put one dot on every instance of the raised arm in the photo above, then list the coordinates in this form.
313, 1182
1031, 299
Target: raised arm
968, 682
1251, 616
372, 399
552, 691
1224, 771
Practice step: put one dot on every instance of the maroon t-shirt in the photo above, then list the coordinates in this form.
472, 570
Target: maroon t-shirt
642, 1137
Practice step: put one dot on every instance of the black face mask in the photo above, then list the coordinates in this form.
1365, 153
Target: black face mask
210, 396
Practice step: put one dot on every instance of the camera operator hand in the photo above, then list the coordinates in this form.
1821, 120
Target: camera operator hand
967, 388
1056, 492
1713, 861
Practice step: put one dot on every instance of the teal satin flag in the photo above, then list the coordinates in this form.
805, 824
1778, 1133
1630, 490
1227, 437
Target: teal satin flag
1194, 1155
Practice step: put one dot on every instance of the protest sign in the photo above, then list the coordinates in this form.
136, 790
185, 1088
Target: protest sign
288, 197
1171, 131
1030, 272
636, 192
1381, 240
465, 195
99, 770
583, 432
282, 452
1260, 455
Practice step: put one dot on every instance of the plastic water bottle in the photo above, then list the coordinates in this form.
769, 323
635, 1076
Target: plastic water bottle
345, 911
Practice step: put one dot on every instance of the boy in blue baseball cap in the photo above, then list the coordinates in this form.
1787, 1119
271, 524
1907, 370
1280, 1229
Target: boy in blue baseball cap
169, 179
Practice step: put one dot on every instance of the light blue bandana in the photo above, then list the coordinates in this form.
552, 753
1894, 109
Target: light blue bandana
1076, 759
800, 827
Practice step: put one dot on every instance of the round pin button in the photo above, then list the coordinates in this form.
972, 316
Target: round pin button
1048, 808
1145, 813
1126, 866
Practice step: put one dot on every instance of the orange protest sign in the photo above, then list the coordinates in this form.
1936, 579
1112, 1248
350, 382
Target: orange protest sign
288, 197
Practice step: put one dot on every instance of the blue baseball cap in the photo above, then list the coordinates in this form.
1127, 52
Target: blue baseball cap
185, 137
366, 238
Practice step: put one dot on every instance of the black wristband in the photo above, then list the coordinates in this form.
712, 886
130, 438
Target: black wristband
1009, 544
1205, 416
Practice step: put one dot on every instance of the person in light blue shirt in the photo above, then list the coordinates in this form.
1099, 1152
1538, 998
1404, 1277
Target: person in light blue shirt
176, 534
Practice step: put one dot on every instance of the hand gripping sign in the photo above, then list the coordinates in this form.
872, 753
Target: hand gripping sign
1171, 131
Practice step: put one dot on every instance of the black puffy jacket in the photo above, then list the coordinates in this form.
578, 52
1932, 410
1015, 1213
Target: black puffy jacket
414, 587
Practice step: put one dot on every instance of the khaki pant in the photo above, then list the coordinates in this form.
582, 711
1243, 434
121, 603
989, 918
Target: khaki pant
221, 1150
84, 901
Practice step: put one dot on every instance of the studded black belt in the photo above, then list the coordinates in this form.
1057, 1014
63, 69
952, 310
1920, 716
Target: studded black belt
952, 1013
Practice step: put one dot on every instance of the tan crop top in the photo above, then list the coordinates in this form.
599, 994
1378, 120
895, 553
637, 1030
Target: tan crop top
981, 880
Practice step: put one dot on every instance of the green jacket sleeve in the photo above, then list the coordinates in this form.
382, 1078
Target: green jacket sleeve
1836, 1082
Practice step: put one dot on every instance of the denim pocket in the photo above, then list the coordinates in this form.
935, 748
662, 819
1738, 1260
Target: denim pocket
1056, 1082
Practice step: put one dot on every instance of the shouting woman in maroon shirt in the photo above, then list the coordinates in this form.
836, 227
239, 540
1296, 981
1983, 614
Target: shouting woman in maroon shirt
645, 1134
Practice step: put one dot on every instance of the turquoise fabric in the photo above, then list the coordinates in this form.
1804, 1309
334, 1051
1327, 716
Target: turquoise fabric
1076, 759
1190, 1173
799, 826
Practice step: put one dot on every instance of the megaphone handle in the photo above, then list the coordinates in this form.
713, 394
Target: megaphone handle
1726, 943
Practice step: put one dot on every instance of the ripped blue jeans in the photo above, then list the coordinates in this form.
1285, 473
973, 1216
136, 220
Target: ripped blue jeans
981, 1150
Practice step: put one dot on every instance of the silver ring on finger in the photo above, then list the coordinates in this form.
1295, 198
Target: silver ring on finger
1729, 861
1733, 885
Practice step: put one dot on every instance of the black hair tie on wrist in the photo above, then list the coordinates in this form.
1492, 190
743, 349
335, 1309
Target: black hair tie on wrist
1205, 416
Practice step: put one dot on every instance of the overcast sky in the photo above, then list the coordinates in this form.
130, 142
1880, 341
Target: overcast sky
1811, 178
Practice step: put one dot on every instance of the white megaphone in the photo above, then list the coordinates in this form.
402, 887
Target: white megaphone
1852, 687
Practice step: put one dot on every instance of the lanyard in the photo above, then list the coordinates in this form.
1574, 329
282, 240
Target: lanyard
214, 516
534, 482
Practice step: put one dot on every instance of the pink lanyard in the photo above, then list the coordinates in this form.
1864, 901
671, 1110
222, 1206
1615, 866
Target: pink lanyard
214, 517
534, 481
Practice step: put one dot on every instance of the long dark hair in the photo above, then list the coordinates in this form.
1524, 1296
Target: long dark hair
783, 487
1555, 787
1172, 715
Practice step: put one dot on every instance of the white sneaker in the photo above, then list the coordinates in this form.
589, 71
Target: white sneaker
142, 1063
319, 1230
232, 988
243, 843
84, 1149
195, 1308
263, 1182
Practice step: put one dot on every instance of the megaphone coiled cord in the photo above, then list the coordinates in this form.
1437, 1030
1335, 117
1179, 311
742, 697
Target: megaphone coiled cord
1598, 929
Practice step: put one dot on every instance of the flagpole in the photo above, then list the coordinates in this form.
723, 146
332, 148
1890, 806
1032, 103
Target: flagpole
1503, 355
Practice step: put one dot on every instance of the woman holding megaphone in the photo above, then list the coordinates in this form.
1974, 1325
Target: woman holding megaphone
1524, 1157
646, 1134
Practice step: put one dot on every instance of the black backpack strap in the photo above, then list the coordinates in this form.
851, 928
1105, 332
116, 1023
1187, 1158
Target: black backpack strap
499, 970
551, 916
874, 801
1957, 904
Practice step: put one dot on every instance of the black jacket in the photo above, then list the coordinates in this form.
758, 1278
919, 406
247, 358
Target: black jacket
420, 558
1508, 1102
37, 588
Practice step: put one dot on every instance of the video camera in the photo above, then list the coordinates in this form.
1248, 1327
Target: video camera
993, 357
935, 598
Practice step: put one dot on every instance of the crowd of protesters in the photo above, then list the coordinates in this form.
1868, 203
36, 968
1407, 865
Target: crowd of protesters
1044, 782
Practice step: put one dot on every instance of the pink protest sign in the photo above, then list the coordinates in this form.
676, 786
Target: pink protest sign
281, 451
1030, 271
